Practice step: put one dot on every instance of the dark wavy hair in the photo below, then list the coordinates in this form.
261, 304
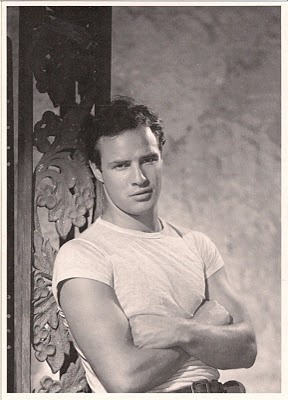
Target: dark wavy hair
120, 115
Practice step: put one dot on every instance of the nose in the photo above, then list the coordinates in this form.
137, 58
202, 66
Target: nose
138, 177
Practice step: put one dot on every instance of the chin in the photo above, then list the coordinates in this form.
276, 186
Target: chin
141, 209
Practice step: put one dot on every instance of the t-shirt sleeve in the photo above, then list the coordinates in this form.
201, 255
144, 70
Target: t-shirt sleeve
209, 254
79, 258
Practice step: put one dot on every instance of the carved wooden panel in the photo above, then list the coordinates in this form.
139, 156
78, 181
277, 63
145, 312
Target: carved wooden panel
64, 55
64, 185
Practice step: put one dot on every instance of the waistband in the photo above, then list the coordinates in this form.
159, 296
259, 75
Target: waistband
205, 386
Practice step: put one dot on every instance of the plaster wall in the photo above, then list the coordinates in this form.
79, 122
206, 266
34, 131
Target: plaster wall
213, 74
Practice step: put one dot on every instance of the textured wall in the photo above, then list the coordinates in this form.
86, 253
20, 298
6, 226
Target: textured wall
213, 73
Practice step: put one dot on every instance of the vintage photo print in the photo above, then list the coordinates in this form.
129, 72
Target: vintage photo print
206, 79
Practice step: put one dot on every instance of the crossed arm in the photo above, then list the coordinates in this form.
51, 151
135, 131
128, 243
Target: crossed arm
210, 335
158, 346
102, 332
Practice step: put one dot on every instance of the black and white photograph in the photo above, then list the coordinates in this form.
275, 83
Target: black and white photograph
141, 160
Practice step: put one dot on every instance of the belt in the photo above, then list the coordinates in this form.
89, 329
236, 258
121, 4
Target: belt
205, 386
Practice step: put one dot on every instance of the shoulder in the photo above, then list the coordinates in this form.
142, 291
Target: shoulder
79, 249
93, 241
202, 242
82, 258
198, 241
95, 233
187, 233
200, 238
86, 253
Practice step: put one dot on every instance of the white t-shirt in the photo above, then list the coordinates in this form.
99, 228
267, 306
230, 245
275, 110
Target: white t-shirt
159, 273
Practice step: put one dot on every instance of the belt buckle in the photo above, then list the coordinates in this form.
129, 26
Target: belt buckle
204, 382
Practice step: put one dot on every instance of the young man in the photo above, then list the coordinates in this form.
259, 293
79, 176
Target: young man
148, 303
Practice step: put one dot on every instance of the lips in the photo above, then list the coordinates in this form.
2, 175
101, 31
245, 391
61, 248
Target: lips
143, 192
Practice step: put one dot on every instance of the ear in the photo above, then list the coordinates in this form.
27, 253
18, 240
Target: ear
96, 171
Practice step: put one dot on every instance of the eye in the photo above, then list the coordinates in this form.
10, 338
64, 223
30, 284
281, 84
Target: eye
150, 160
121, 166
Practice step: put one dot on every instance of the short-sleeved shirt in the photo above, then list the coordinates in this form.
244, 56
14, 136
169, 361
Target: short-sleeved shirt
160, 273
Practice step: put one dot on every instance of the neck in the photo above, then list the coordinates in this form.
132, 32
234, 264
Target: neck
148, 222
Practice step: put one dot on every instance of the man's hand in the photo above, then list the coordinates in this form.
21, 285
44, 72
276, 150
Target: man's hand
212, 313
155, 331
233, 344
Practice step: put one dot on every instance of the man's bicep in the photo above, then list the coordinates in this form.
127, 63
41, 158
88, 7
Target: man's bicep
102, 333
98, 324
219, 289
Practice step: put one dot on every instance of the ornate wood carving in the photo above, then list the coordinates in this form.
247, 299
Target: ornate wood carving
69, 194
72, 382
62, 54
64, 185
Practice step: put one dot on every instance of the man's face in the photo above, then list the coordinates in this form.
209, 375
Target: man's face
131, 170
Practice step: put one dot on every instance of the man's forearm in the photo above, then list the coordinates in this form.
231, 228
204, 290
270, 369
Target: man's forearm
103, 334
209, 336
223, 347
149, 368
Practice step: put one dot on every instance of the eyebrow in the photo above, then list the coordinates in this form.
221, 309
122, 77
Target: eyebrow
115, 162
118, 162
155, 155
